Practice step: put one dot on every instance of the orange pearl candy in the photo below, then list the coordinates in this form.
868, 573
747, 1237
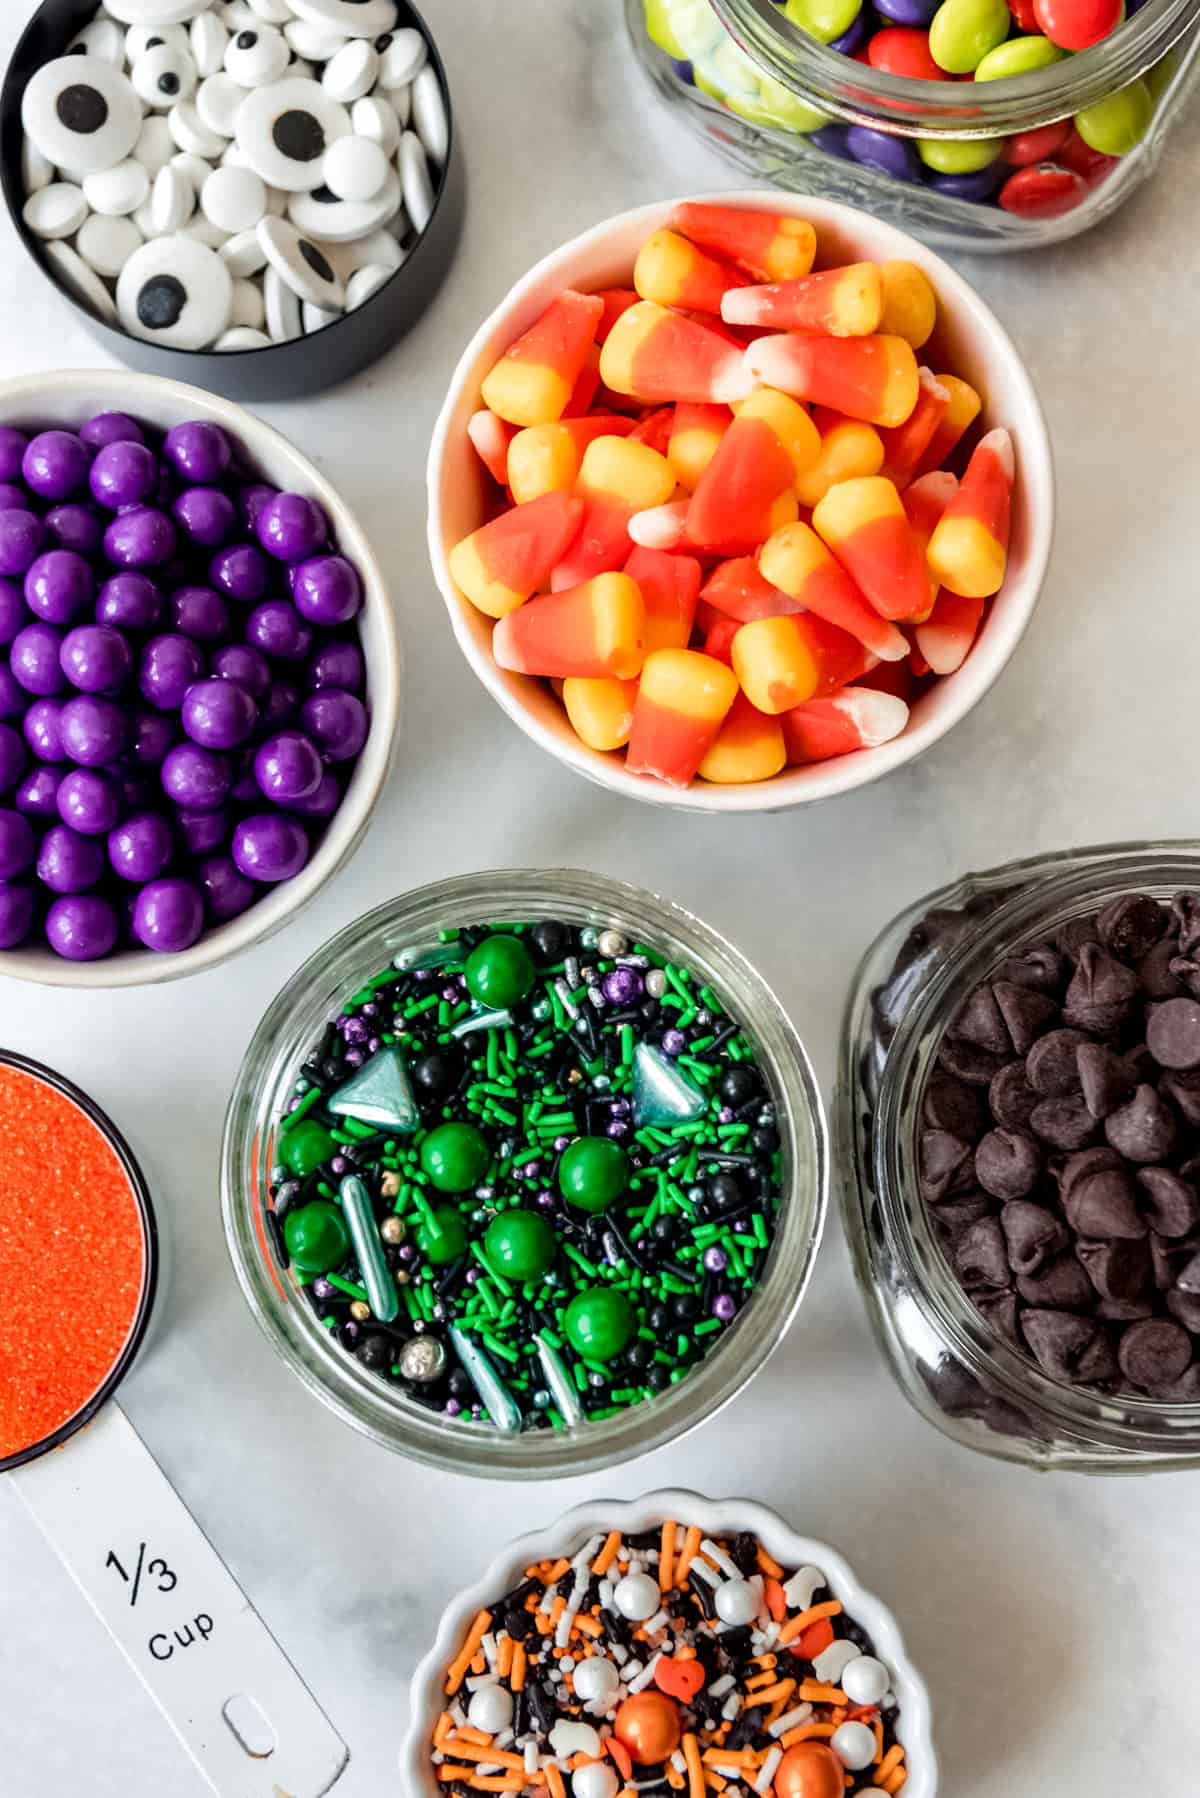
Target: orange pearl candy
809, 1770
649, 1725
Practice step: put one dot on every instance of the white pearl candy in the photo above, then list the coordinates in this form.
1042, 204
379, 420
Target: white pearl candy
55, 211
429, 114
414, 180
737, 1602
118, 191
490, 1709
854, 1745
865, 1680
234, 198
596, 1679
637, 1597
594, 1780
208, 39
375, 120
155, 145
351, 74
356, 168
106, 244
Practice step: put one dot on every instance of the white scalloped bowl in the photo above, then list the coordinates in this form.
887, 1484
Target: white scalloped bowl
715, 1517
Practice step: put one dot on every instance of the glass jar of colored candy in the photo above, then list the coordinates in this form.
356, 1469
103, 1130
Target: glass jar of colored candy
1019, 1117
1059, 107
524, 1173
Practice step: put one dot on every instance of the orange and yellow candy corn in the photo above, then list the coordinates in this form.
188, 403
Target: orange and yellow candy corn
749, 746
768, 245
669, 586
740, 590
962, 409
600, 709
501, 564
925, 500
848, 448
683, 700
656, 355
797, 562
968, 551
674, 272
865, 525
781, 662
591, 630
696, 430
534, 379
490, 437
949, 631
858, 718
617, 478
909, 302
904, 445
748, 489
872, 378
546, 458
843, 302
615, 301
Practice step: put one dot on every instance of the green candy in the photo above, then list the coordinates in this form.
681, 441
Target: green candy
500, 972
963, 31
599, 1322
659, 29
959, 156
316, 1237
443, 1240
824, 19
520, 1244
455, 1156
303, 1149
1114, 125
777, 105
1017, 57
593, 1172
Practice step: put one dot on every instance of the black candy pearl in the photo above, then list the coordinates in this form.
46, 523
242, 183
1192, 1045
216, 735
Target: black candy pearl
459, 1384
665, 1230
764, 1140
375, 1352
434, 1074
549, 940
725, 1192
685, 1305
658, 1379
737, 1085
659, 1319
639, 1357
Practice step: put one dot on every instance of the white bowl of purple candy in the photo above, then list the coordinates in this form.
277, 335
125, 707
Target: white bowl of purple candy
199, 679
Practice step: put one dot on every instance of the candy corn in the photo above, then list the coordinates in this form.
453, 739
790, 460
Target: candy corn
696, 430
654, 428
587, 385
909, 302
925, 500
781, 662
848, 448
546, 458
740, 590
491, 437
674, 272
768, 245
502, 563
749, 746
864, 524
600, 709
655, 355
669, 586
615, 301
747, 490
845, 302
949, 631
968, 551
533, 381
962, 409
904, 445
796, 562
593, 629
873, 378
683, 699
662, 527
718, 638
858, 718
616, 479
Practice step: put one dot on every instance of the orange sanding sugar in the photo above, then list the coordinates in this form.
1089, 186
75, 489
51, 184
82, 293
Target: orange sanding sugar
72, 1259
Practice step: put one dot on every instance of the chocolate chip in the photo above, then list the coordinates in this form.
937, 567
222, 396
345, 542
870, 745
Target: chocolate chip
1032, 1234
1169, 1259
1183, 1090
1186, 1389
1186, 970
1011, 1098
1062, 1284
1064, 1123
999, 1310
1027, 1014
1069, 1348
1100, 994
1125, 1311
1186, 907
980, 1022
1154, 972
1086, 1161
1073, 935
1040, 968
1185, 1306
955, 1215
1104, 1077
946, 1165
1173, 1033
1144, 1129
1102, 1204
1007, 1164
975, 1066
951, 1105
1051, 1065
1168, 1203
1154, 1353
1188, 1277
1131, 925
1118, 1270
980, 1257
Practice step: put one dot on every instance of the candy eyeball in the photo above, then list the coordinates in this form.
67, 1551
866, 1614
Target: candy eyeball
163, 76
81, 113
284, 130
102, 38
256, 56
154, 14
301, 264
353, 18
175, 292
141, 39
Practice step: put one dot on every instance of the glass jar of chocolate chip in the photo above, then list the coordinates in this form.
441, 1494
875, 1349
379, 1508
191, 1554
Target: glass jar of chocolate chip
1018, 1121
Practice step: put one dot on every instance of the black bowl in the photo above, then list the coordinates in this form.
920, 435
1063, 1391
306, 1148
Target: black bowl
285, 369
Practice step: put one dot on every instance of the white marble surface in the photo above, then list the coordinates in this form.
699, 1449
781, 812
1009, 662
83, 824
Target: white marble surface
1057, 1620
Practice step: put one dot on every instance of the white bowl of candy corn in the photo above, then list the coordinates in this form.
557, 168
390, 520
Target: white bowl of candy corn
778, 1716
784, 538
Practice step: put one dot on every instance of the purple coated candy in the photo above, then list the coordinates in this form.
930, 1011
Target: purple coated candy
291, 527
219, 714
327, 590
337, 665
141, 538
16, 914
288, 768
892, 156
280, 705
94, 730
980, 184
18, 845
124, 474
33, 658
13, 498
22, 535
141, 847
130, 601
194, 778
55, 464
13, 758
206, 516
76, 527
96, 658
152, 734
270, 847
13, 444
89, 801
279, 631
855, 35
200, 614
324, 802
60, 586
226, 892
201, 453
337, 721
83, 927
68, 862
13, 697
169, 666
241, 572
253, 498
248, 667
13, 615
37, 794
907, 12
832, 140
111, 427
43, 730
202, 832
168, 915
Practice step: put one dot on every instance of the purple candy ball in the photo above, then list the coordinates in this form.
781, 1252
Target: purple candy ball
855, 34
674, 1042
55, 464
226, 892
201, 453
253, 498
219, 714
13, 444
14, 499
724, 1307
68, 862
43, 730
130, 601
124, 474
241, 572
89, 801
892, 156
200, 614
715, 1259
141, 847
13, 758
291, 527
33, 658
168, 668
622, 986
18, 845
248, 667
94, 730
111, 427
152, 734
141, 538
76, 527
22, 535
280, 704
37, 794
13, 616
16, 914
279, 631
832, 139
324, 802
908, 12
168, 915
202, 832
327, 590
337, 665
60, 586
96, 658
337, 721
206, 516
980, 184
195, 779
288, 768
83, 927
13, 697
270, 847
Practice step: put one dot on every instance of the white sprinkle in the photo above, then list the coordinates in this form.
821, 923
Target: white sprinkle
706, 1572
766, 1772
789, 1720
646, 1675
531, 1757
720, 1686
800, 1588
717, 1554
731, 1706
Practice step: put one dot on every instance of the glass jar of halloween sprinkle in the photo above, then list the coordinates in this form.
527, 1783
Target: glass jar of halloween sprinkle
524, 1173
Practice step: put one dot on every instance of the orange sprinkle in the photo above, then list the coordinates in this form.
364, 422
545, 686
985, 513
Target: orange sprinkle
768, 1564
608, 1553
796, 1626
890, 1762
713, 1781
894, 1781
781, 1689
504, 1655
557, 1608
589, 1626
457, 1670
776, 1602
519, 1665
666, 1557
695, 1769
621, 1757
877, 1726
467, 1732
442, 1728
804, 1731
691, 1548
478, 1665
814, 1692
729, 1757
556, 1570
497, 1782
69, 1225
471, 1751
554, 1781
446, 1773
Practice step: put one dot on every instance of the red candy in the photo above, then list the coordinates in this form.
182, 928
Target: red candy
1075, 24
899, 50
1042, 191
1039, 145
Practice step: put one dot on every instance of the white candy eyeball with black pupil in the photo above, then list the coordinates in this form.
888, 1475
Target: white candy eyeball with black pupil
116, 192
330, 220
80, 281
156, 12
354, 18
175, 292
219, 99
102, 38
301, 264
208, 39
162, 76
284, 130
402, 57
256, 56
141, 39
81, 113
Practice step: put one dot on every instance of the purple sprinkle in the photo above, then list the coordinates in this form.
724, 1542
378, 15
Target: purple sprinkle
622, 986
532, 1170
339, 1165
293, 1104
674, 1042
617, 1128
724, 1116
723, 1307
407, 1252
449, 993
451, 1408
323, 1288
715, 1259
355, 1058
375, 1044
472, 1275
561, 1143
545, 1200
355, 1031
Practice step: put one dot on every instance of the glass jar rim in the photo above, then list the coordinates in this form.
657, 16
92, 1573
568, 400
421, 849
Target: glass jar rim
827, 80
1056, 883
273, 1057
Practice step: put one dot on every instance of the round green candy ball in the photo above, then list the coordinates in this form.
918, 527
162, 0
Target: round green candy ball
316, 1237
500, 972
593, 1172
455, 1156
963, 31
304, 1148
520, 1244
823, 19
1114, 125
959, 156
1017, 57
447, 1241
599, 1322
